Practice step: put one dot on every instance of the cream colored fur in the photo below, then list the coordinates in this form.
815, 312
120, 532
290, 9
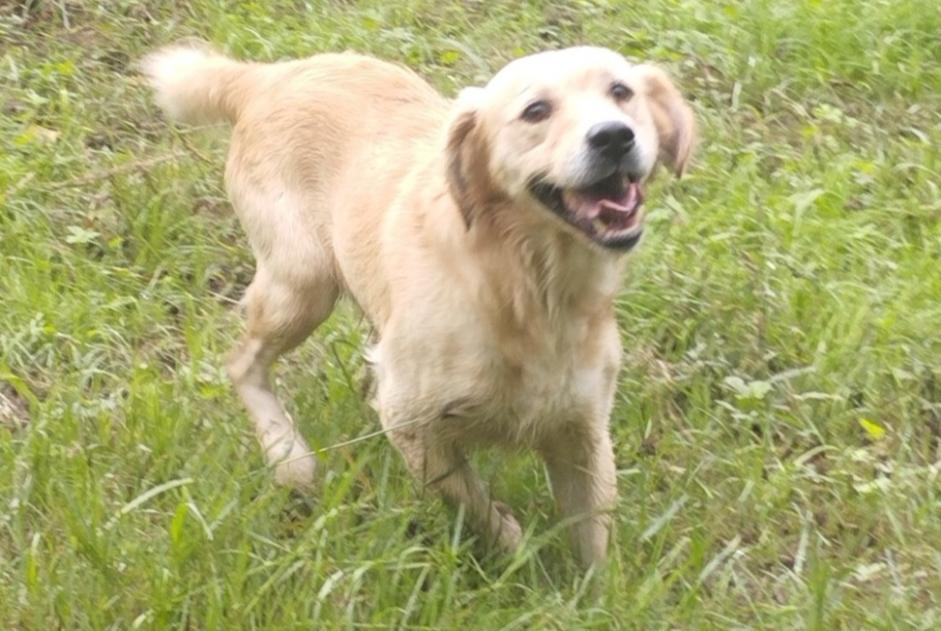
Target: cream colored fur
493, 318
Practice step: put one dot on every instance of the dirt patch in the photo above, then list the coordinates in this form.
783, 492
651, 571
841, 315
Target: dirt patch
14, 413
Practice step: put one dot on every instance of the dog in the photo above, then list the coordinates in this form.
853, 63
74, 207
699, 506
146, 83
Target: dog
482, 238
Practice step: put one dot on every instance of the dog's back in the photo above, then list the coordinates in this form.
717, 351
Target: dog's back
319, 146
309, 124
196, 85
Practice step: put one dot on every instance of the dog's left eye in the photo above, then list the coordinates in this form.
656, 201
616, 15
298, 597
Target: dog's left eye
621, 92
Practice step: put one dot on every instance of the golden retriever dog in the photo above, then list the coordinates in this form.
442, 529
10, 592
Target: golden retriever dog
482, 238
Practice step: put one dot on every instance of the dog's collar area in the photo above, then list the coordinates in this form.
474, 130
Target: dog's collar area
607, 212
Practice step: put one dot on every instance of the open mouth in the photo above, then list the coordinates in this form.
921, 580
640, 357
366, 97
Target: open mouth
607, 212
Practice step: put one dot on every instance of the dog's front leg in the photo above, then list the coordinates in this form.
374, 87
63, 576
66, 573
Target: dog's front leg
582, 471
444, 468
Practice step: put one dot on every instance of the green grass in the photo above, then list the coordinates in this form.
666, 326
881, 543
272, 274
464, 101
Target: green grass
778, 424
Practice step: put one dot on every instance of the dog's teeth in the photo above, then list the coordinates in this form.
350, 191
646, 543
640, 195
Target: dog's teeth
598, 224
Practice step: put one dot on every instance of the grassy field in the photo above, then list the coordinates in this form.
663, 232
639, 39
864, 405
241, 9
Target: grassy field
778, 424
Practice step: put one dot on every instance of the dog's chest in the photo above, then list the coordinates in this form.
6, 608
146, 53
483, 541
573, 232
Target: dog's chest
550, 389
524, 396
487, 380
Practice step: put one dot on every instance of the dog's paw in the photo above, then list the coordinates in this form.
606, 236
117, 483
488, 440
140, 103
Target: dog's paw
509, 534
296, 468
297, 473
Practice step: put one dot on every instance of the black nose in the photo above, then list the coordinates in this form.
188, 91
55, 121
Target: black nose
613, 139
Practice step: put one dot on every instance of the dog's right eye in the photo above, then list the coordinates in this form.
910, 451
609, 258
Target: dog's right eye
537, 111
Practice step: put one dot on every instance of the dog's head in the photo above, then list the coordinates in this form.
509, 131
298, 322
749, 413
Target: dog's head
570, 136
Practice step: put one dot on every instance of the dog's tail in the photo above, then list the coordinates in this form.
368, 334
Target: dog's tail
196, 85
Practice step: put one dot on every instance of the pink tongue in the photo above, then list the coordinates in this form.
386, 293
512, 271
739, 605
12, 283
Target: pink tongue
589, 206
628, 202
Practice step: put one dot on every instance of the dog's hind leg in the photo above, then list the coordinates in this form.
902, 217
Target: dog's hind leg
280, 316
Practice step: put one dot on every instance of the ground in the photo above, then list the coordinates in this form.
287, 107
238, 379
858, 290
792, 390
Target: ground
778, 420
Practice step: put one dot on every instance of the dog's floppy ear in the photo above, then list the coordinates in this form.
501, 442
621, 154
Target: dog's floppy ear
467, 157
672, 116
